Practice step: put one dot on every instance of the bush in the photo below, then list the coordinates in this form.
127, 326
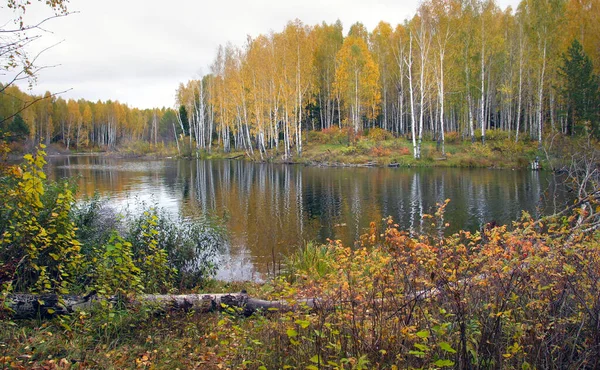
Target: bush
95, 222
49, 245
379, 134
115, 272
452, 137
167, 252
478, 150
317, 137
349, 150
191, 246
379, 151
405, 151
38, 248
492, 135
331, 135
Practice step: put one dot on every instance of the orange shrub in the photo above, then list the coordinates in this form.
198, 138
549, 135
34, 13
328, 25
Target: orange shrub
405, 151
379, 134
378, 151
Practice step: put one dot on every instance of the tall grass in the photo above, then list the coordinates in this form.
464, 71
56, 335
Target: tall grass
312, 259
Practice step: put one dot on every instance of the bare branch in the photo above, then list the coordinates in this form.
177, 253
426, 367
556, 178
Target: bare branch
37, 25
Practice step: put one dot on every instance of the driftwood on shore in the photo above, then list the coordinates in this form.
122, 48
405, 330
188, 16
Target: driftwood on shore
237, 156
27, 306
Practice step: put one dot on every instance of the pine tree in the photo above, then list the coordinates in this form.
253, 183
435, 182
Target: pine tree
580, 90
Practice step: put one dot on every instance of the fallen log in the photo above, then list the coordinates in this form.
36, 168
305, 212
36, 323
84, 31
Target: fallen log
217, 302
27, 306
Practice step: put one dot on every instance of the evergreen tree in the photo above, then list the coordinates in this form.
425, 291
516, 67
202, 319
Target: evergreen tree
16, 129
183, 115
580, 90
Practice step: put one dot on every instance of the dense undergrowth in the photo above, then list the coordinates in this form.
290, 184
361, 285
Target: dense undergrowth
518, 296
49, 243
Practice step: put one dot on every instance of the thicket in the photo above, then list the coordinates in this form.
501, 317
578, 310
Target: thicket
50, 243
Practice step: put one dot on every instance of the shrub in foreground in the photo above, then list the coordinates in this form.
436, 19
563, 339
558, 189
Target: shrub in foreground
51, 244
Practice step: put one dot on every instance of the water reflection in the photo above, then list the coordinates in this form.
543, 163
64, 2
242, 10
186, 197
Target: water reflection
271, 209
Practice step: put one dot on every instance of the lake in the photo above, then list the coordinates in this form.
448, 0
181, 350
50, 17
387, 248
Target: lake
270, 209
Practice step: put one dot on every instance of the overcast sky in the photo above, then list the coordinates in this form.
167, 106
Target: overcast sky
138, 51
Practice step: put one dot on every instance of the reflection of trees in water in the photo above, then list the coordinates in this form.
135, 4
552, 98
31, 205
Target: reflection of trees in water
416, 203
273, 208
263, 203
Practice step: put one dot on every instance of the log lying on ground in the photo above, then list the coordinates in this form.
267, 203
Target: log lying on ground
27, 306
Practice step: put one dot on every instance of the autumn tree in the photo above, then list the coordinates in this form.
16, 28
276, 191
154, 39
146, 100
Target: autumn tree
356, 81
328, 41
542, 19
16, 63
381, 45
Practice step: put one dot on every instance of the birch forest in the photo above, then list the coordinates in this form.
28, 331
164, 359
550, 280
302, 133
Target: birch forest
463, 66
458, 67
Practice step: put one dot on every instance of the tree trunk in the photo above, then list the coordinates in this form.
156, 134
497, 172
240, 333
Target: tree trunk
28, 306
416, 154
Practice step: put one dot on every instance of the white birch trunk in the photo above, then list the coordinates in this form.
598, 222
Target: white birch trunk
408, 62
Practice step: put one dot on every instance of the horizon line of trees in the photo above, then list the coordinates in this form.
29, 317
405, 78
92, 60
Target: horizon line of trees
460, 66
80, 123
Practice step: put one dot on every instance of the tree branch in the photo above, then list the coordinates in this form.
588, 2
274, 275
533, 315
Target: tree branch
31, 103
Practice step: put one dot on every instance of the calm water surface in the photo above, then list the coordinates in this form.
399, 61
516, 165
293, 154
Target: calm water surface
271, 209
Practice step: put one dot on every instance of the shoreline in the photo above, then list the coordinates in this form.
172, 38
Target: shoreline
394, 153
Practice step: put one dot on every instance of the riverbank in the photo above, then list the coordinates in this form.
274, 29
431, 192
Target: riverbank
380, 149
371, 152
398, 152
322, 149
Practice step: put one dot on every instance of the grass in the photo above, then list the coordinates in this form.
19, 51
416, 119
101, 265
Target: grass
335, 148
495, 154
310, 260
117, 339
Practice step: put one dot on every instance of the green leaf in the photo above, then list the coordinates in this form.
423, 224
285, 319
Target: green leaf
568, 269
447, 347
303, 323
292, 333
421, 347
444, 363
417, 353
316, 359
423, 334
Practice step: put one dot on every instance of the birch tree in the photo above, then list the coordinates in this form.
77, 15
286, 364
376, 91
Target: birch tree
356, 81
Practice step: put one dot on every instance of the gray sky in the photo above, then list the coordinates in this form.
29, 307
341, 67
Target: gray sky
138, 51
